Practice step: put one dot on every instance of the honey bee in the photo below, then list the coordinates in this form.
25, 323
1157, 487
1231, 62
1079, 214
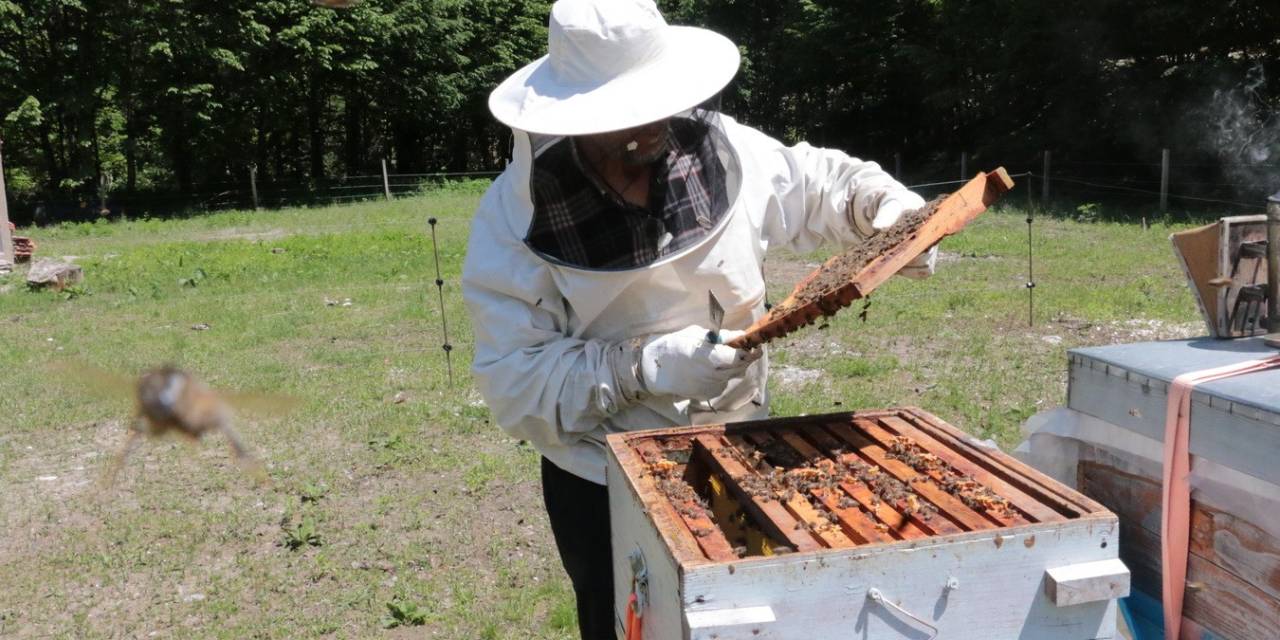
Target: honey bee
169, 400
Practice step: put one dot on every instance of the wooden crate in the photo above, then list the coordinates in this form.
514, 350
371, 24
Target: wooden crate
1233, 570
1233, 567
875, 524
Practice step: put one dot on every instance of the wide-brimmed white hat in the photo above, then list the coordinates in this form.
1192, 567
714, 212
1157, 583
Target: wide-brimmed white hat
611, 65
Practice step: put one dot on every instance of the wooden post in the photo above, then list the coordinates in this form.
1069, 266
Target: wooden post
1044, 181
6, 237
897, 165
964, 165
253, 184
1164, 180
386, 184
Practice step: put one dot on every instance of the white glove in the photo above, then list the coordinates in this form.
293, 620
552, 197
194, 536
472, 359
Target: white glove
682, 364
922, 266
890, 208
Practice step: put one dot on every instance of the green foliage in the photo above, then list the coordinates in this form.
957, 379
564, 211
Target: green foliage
404, 614
131, 100
301, 535
119, 99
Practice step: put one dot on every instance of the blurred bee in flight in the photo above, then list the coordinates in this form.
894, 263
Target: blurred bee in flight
169, 400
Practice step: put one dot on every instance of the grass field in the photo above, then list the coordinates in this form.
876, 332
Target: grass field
421, 517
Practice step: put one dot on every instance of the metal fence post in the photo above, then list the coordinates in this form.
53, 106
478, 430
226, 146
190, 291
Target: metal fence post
1164, 180
1044, 181
386, 184
6, 238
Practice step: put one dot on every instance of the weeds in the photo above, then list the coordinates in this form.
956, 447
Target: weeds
404, 614
301, 535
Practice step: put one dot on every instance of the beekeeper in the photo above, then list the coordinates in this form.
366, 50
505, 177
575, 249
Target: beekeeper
628, 198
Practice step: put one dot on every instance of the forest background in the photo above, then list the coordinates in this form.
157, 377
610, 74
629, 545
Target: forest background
141, 106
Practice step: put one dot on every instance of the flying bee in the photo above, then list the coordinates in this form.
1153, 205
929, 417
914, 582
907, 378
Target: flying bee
169, 400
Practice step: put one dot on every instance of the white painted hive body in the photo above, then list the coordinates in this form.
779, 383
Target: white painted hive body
1007, 553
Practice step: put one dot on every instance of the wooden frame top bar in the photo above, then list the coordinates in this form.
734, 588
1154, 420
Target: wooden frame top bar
835, 481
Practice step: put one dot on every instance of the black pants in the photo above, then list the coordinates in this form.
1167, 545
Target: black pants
579, 513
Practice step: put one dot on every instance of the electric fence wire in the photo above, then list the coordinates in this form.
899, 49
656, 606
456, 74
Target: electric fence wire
444, 325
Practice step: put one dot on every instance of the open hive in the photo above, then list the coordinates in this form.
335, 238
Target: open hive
779, 514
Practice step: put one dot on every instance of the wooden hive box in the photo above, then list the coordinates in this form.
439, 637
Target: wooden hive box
873, 525
1233, 570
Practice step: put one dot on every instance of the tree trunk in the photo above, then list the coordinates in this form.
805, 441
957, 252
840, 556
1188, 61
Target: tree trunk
315, 109
51, 157
353, 141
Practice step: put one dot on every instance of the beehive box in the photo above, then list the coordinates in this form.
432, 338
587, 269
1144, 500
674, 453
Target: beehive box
1233, 570
875, 525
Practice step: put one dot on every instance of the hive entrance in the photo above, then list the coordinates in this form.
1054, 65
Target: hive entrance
836, 482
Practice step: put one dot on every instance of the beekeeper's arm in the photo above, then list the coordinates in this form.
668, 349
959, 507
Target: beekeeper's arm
546, 387
826, 196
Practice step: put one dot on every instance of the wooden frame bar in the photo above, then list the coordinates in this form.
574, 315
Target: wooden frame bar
834, 481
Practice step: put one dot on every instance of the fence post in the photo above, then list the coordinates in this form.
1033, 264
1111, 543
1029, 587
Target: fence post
6, 237
897, 165
1164, 180
386, 184
1044, 181
964, 165
253, 184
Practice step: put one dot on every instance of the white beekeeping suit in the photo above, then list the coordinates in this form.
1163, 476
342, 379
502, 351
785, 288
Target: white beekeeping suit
559, 347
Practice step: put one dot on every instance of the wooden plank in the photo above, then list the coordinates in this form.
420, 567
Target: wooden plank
857, 526
695, 520
642, 523
864, 522
947, 504
1028, 509
1028, 504
1230, 542
1073, 584
7, 258
1197, 250
1061, 498
1224, 604
769, 514
903, 526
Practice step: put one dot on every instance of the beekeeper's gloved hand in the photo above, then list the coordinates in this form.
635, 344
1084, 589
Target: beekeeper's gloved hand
683, 364
882, 211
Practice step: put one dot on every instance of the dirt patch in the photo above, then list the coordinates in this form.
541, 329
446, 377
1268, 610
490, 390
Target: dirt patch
233, 233
786, 269
791, 378
1078, 332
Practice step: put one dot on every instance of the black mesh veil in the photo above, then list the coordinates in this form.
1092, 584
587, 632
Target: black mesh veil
625, 199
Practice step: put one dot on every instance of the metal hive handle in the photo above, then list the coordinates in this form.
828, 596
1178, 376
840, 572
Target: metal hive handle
877, 597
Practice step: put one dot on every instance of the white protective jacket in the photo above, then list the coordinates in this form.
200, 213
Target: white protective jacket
542, 329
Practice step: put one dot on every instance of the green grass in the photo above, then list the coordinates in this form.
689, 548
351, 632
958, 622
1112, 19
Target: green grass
422, 512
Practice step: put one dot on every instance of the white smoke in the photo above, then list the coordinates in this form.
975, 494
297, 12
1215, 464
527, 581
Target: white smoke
1243, 125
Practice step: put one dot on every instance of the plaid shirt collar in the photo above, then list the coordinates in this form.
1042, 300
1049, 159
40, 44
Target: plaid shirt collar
580, 222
